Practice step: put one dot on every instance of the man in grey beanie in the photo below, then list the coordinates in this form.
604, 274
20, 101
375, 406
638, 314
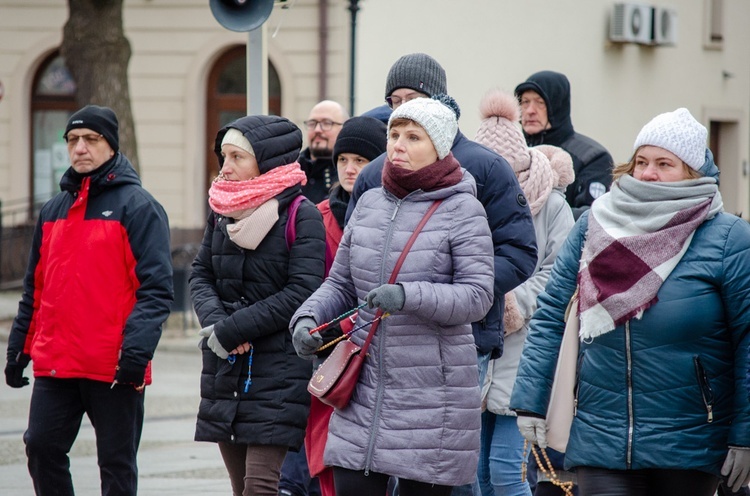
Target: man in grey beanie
418, 75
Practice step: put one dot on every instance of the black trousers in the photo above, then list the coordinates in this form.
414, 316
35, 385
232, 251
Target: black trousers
356, 483
651, 482
57, 408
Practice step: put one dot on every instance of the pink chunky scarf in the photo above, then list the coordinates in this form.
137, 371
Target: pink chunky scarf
228, 197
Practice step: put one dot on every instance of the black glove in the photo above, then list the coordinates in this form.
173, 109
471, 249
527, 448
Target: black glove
14, 371
389, 297
130, 373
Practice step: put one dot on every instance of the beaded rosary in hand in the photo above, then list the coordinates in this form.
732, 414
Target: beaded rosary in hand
338, 319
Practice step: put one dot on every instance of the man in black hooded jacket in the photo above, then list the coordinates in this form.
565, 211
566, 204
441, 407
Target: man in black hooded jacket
545, 117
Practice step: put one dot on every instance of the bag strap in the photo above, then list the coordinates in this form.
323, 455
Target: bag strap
397, 268
290, 233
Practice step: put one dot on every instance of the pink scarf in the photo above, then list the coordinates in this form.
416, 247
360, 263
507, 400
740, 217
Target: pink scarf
227, 197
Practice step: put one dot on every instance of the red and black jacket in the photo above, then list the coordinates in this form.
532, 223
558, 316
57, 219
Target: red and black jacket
98, 286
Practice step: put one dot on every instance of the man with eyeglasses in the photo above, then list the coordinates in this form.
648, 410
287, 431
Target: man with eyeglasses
418, 75
323, 126
96, 292
545, 118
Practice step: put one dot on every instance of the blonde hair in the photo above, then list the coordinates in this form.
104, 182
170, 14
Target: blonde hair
628, 168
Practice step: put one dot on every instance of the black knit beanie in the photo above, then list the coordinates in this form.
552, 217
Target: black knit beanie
100, 119
365, 136
419, 72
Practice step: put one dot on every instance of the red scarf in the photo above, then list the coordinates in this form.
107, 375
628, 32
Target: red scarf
226, 197
438, 175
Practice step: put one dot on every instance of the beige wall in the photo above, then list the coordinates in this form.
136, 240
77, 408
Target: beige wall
174, 44
481, 43
615, 88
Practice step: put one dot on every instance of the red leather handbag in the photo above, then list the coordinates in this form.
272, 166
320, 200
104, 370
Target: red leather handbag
334, 381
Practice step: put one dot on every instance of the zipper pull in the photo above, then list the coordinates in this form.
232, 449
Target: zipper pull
575, 407
710, 409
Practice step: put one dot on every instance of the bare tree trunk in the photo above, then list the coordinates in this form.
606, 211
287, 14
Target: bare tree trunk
97, 53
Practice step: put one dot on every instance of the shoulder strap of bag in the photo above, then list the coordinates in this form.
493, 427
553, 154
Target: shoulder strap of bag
291, 222
397, 268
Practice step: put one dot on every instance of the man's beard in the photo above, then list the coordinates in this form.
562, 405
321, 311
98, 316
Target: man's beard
318, 153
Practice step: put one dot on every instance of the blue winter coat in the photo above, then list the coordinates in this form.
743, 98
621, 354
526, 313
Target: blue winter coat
665, 391
415, 412
510, 222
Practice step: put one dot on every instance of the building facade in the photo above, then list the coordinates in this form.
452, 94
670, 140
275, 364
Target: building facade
187, 77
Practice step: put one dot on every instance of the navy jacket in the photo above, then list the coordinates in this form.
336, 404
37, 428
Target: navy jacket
509, 218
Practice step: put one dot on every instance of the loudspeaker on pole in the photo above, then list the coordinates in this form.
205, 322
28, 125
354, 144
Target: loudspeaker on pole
241, 15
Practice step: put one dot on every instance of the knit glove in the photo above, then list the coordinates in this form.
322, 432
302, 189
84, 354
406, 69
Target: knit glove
534, 429
737, 468
306, 344
213, 342
14, 371
130, 373
388, 297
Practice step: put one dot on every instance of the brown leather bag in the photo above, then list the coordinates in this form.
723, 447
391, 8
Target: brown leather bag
336, 378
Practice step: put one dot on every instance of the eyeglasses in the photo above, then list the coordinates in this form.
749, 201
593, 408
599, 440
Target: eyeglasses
325, 124
397, 101
89, 139
538, 102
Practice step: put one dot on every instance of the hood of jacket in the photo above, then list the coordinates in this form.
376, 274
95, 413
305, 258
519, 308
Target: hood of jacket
276, 141
554, 88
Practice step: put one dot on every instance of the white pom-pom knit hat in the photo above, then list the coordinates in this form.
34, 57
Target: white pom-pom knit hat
437, 119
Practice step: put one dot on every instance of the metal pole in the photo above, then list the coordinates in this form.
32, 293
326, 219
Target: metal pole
257, 72
353, 8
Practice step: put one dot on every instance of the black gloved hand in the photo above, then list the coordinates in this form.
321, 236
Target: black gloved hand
14, 371
130, 373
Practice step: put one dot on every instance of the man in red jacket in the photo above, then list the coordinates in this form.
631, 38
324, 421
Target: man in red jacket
96, 293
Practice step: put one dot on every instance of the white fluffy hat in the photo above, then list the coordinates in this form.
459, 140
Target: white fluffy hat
437, 119
236, 138
679, 133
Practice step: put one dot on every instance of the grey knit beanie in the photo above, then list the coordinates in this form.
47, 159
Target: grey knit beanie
679, 133
419, 72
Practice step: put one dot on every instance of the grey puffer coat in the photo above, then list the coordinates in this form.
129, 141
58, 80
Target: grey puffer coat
415, 412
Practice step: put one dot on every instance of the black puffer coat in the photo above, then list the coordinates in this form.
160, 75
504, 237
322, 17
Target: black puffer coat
250, 296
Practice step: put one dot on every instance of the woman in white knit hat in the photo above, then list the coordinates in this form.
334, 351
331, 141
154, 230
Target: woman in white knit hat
415, 411
543, 173
663, 275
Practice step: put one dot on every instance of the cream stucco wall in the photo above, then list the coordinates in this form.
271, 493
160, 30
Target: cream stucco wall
615, 88
174, 44
481, 43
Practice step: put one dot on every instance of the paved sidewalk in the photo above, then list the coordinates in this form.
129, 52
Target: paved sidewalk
170, 462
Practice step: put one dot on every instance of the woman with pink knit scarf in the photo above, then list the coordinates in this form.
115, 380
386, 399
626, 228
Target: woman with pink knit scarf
250, 275
543, 173
663, 281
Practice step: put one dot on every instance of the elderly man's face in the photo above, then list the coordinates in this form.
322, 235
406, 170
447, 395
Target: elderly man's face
87, 149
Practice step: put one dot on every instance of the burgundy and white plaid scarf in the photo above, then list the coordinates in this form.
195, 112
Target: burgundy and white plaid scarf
637, 234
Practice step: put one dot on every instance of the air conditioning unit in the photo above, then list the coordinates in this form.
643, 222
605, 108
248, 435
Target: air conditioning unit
665, 26
631, 23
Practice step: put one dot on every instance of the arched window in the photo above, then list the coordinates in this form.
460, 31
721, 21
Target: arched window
227, 98
52, 103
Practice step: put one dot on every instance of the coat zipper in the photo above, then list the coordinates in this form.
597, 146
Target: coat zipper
379, 391
629, 358
706, 391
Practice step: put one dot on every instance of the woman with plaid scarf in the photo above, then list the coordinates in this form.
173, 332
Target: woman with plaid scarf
663, 275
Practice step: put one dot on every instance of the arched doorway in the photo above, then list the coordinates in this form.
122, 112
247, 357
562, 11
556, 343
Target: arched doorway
226, 98
52, 103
